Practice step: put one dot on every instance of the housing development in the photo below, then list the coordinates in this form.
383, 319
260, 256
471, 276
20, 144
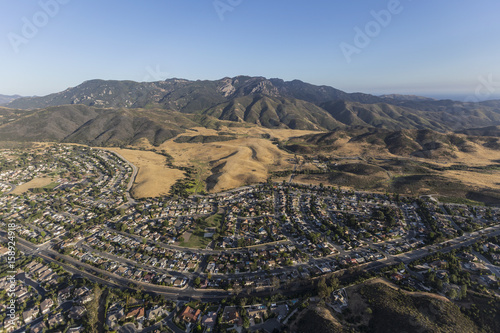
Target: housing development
81, 251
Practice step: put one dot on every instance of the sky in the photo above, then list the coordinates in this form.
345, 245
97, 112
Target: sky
425, 47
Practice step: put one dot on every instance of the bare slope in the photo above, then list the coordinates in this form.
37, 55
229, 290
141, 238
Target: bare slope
233, 163
154, 177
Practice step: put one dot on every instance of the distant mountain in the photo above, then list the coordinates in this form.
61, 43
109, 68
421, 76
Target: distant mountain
186, 96
406, 97
271, 103
5, 99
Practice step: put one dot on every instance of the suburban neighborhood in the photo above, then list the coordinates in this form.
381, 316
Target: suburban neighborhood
243, 259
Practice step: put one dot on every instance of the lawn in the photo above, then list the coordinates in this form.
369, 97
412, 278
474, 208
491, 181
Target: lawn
51, 186
196, 240
213, 221
461, 201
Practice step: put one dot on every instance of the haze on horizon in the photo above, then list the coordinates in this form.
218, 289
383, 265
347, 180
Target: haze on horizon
433, 49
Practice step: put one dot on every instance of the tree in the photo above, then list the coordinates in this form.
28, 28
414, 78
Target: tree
452, 293
237, 288
333, 281
93, 310
463, 291
246, 322
275, 282
323, 290
197, 282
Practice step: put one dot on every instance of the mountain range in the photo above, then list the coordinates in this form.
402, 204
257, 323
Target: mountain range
123, 112
4, 99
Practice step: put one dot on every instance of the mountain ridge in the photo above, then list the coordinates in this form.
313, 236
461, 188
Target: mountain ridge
5, 99
121, 107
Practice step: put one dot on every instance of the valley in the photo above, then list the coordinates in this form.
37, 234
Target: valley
306, 202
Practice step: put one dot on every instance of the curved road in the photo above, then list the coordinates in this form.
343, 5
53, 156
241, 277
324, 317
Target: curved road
131, 201
77, 267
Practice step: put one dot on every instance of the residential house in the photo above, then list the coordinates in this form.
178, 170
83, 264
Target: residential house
46, 305
232, 316
56, 320
190, 315
155, 312
137, 313
29, 315
209, 320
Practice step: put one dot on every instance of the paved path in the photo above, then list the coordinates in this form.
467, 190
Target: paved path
130, 201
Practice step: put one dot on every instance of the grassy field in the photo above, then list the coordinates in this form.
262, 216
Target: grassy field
201, 172
44, 182
51, 186
154, 177
196, 239
229, 164
213, 221
460, 201
253, 155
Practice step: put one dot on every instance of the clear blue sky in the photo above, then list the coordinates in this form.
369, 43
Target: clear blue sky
428, 47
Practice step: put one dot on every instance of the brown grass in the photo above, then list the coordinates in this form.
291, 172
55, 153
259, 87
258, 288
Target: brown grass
154, 177
34, 183
245, 160
485, 180
249, 158
481, 157
250, 131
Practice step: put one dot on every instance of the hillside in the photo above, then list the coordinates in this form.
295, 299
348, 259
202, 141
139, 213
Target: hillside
378, 306
453, 167
406, 97
318, 320
393, 311
274, 103
184, 95
243, 130
97, 126
410, 142
5, 99
483, 131
272, 112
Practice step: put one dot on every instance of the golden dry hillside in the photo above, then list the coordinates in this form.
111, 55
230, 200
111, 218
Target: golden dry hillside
230, 157
247, 159
229, 164
154, 177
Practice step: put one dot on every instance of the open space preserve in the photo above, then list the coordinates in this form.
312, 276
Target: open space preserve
221, 165
154, 177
